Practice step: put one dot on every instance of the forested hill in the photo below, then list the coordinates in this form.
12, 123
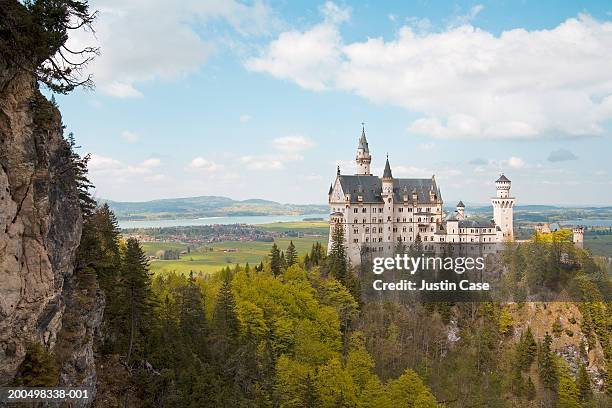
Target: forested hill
207, 206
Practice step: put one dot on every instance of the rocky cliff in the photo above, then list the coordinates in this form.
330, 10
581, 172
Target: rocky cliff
40, 230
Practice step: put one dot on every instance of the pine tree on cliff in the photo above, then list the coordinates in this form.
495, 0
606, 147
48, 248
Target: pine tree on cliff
275, 260
583, 383
547, 366
291, 255
34, 36
136, 284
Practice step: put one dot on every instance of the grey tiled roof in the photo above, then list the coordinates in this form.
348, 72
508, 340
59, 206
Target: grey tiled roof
476, 223
502, 178
460, 204
370, 188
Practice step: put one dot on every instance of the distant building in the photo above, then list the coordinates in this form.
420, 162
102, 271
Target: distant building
378, 213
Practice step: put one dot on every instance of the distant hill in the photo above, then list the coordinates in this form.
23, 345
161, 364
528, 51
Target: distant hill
207, 206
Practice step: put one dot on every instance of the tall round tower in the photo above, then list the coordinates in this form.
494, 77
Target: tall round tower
363, 155
503, 208
387, 196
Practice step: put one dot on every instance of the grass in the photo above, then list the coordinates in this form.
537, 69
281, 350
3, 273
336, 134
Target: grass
230, 253
599, 244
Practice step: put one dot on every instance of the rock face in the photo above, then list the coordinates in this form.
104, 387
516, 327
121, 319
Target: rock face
40, 226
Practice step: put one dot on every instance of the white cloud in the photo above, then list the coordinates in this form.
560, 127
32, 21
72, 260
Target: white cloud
466, 18
152, 162
142, 40
102, 163
245, 118
200, 163
292, 144
130, 137
335, 14
464, 81
516, 162
262, 162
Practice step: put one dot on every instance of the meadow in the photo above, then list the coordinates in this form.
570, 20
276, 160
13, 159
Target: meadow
212, 257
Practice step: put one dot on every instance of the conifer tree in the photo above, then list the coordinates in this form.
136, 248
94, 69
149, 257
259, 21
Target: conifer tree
547, 365
275, 260
137, 291
225, 320
291, 256
337, 263
310, 398
191, 311
583, 383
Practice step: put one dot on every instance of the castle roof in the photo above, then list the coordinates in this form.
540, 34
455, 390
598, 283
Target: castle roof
387, 172
363, 143
460, 204
370, 188
476, 223
502, 178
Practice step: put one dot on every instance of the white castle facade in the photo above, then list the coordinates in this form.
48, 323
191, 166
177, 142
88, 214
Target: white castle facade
378, 213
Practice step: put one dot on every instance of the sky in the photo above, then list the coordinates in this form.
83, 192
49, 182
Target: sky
264, 99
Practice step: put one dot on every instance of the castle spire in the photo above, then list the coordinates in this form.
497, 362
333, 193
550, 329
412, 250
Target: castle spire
363, 158
387, 172
363, 142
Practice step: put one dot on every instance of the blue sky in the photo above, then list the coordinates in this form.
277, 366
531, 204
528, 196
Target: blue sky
264, 99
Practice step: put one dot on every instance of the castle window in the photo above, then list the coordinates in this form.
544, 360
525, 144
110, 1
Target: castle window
411, 220
401, 209
367, 229
355, 210
425, 238
364, 220
364, 210
355, 221
410, 229
404, 229
397, 219
367, 239
432, 219
403, 220
356, 240
409, 209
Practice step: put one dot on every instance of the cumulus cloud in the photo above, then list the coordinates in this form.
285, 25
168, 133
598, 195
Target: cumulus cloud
262, 162
561, 155
107, 170
155, 39
292, 144
465, 82
286, 149
130, 137
200, 163
516, 162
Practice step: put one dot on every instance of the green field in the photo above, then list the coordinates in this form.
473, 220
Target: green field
599, 244
230, 253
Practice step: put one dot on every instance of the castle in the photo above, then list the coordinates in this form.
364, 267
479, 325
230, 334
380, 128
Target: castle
378, 214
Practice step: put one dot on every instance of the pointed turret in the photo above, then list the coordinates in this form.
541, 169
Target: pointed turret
331, 188
363, 142
363, 155
387, 172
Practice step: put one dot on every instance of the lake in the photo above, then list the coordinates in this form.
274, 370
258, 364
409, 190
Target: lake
251, 220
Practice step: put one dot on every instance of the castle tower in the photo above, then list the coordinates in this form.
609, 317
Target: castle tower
363, 155
460, 210
503, 208
578, 236
387, 196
